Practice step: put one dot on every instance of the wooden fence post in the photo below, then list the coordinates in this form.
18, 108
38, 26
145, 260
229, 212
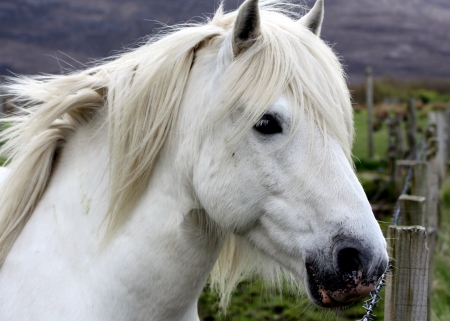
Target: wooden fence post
433, 178
433, 192
447, 143
395, 142
369, 100
441, 133
407, 284
419, 182
411, 127
412, 248
420, 207
435, 141
413, 210
399, 143
391, 151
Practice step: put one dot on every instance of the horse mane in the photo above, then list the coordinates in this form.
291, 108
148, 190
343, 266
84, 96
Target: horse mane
141, 92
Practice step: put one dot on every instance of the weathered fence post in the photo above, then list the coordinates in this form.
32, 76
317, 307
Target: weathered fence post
433, 178
412, 248
413, 210
391, 152
369, 100
447, 143
411, 127
396, 147
419, 181
407, 285
433, 193
420, 207
435, 137
441, 133
400, 145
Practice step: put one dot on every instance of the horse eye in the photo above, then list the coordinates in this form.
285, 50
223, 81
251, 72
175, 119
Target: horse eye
268, 125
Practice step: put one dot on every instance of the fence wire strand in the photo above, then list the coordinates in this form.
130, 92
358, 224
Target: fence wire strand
369, 305
375, 297
407, 185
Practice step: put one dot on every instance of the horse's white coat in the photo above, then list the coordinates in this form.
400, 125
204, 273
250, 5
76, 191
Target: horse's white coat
287, 195
3, 174
132, 279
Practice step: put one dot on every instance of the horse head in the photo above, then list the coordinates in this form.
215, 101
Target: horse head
274, 168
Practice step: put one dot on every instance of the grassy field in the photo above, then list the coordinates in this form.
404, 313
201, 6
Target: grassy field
252, 301
440, 299
380, 136
360, 147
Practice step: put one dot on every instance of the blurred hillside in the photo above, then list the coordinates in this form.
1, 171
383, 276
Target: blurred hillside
402, 38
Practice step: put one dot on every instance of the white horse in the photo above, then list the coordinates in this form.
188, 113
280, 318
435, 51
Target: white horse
221, 147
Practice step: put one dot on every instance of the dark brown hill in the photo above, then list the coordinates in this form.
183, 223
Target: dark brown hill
402, 38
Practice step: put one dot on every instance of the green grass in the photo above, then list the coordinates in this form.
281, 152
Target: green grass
253, 301
360, 147
440, 299
427, 90
380, 137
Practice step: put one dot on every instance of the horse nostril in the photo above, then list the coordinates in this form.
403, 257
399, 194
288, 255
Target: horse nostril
348, 261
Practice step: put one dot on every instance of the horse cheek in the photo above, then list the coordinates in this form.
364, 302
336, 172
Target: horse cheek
225, 185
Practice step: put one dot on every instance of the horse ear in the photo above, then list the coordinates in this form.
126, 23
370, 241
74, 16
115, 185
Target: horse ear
246, 26
314, 18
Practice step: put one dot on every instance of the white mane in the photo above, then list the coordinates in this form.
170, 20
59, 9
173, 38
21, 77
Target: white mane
140, 92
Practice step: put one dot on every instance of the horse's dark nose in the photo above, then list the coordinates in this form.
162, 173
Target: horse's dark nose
348, 261
354, 271
350, 272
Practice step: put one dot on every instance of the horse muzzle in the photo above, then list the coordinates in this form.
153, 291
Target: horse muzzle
352, 276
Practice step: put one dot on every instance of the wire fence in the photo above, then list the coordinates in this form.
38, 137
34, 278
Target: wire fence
427, 151
407, 184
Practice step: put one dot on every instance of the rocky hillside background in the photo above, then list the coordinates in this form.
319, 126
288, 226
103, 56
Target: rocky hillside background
401, 38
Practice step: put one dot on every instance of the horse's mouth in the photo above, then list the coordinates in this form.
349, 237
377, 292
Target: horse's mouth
330, 291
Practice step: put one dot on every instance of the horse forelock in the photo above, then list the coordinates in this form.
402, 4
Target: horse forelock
142, 91
287, 60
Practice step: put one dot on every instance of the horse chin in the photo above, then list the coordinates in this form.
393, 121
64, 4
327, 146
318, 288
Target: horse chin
329, 290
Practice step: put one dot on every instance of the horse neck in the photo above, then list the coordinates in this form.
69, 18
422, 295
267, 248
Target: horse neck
161, 254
